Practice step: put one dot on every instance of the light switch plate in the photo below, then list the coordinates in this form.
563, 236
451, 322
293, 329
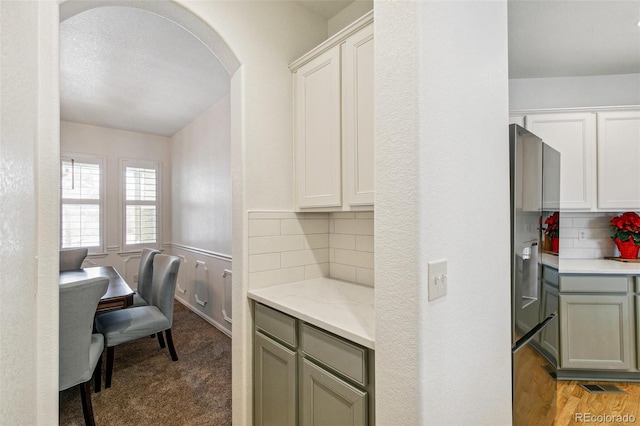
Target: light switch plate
437, 274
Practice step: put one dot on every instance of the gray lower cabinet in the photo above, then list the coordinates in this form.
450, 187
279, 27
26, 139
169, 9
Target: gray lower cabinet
326, 400
305, 375
274, 382
596, 320
549, 338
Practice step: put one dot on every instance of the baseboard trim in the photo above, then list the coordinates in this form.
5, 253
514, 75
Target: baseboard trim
204, 317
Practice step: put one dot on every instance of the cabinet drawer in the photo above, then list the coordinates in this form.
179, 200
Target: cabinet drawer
550, 276
594, 283
342, 356
276, 324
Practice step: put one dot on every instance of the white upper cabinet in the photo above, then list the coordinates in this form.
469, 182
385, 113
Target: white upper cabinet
619, 160
317, 131
333, 119
574, 136
357, 124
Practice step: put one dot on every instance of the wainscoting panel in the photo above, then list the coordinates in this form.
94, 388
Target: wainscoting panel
203, 286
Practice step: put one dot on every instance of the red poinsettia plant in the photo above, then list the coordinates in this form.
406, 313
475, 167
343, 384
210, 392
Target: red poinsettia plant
553, 225
626, 226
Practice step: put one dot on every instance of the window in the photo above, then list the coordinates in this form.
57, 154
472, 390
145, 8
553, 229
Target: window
141, 201
82, 202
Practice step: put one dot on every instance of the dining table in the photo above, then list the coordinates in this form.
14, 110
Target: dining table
118, 296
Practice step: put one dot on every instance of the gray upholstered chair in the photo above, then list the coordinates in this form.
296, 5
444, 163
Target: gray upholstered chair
130, 324
71, 259
80, 349
145, 274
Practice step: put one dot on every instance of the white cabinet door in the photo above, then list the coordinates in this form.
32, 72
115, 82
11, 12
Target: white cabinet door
317, 131
619, 160
357, 116
574, 136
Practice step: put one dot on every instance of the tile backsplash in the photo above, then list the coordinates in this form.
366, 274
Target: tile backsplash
586, 235
286, 247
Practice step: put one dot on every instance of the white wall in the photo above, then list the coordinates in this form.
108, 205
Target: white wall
112, 145
201, 213
29, 176
201, 181
441, 85
349, 14
568, 92
261, 135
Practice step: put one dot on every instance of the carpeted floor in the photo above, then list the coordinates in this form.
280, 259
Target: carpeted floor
149, 389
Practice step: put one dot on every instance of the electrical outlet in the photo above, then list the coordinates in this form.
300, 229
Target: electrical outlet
437, 275
582, 234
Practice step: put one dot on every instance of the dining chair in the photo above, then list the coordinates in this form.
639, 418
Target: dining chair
71, 259
145, 275
130, 324
80, 350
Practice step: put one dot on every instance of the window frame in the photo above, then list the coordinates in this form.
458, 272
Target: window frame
102, 200
124, 163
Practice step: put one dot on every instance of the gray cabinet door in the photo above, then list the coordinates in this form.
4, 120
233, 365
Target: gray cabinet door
274, 383
595, 332
328, 401
549, 336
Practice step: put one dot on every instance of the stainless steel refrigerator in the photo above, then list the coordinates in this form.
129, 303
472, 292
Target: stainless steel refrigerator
535, 194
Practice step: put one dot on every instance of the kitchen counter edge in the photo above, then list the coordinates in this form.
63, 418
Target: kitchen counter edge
340, 307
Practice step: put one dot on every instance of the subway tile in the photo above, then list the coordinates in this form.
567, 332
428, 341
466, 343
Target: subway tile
292, 242
364, 243
601, 243
346, 257
261, 245
290, 227
342, 241
315, 216
569, 232
263, 227
332, 255
364, 227
304, 257
315, 226
342, 272
332, 226
364, 215
272, 215
277, 276
316, 271
573, 253
345, 226
315, 241
565, 222
365, 259
264, 262
343, 215
365, 276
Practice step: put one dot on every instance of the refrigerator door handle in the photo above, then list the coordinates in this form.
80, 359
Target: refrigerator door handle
531, 333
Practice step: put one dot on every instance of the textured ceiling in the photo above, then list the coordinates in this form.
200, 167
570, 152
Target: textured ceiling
130, 69
573, 38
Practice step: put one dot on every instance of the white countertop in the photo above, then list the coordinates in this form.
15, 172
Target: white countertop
341, 307
598, 266
591, 266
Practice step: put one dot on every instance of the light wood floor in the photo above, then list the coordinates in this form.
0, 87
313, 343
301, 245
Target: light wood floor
573, 400
537, 404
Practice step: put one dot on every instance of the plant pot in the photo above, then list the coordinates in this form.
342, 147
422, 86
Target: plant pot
555, 244
628, 249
